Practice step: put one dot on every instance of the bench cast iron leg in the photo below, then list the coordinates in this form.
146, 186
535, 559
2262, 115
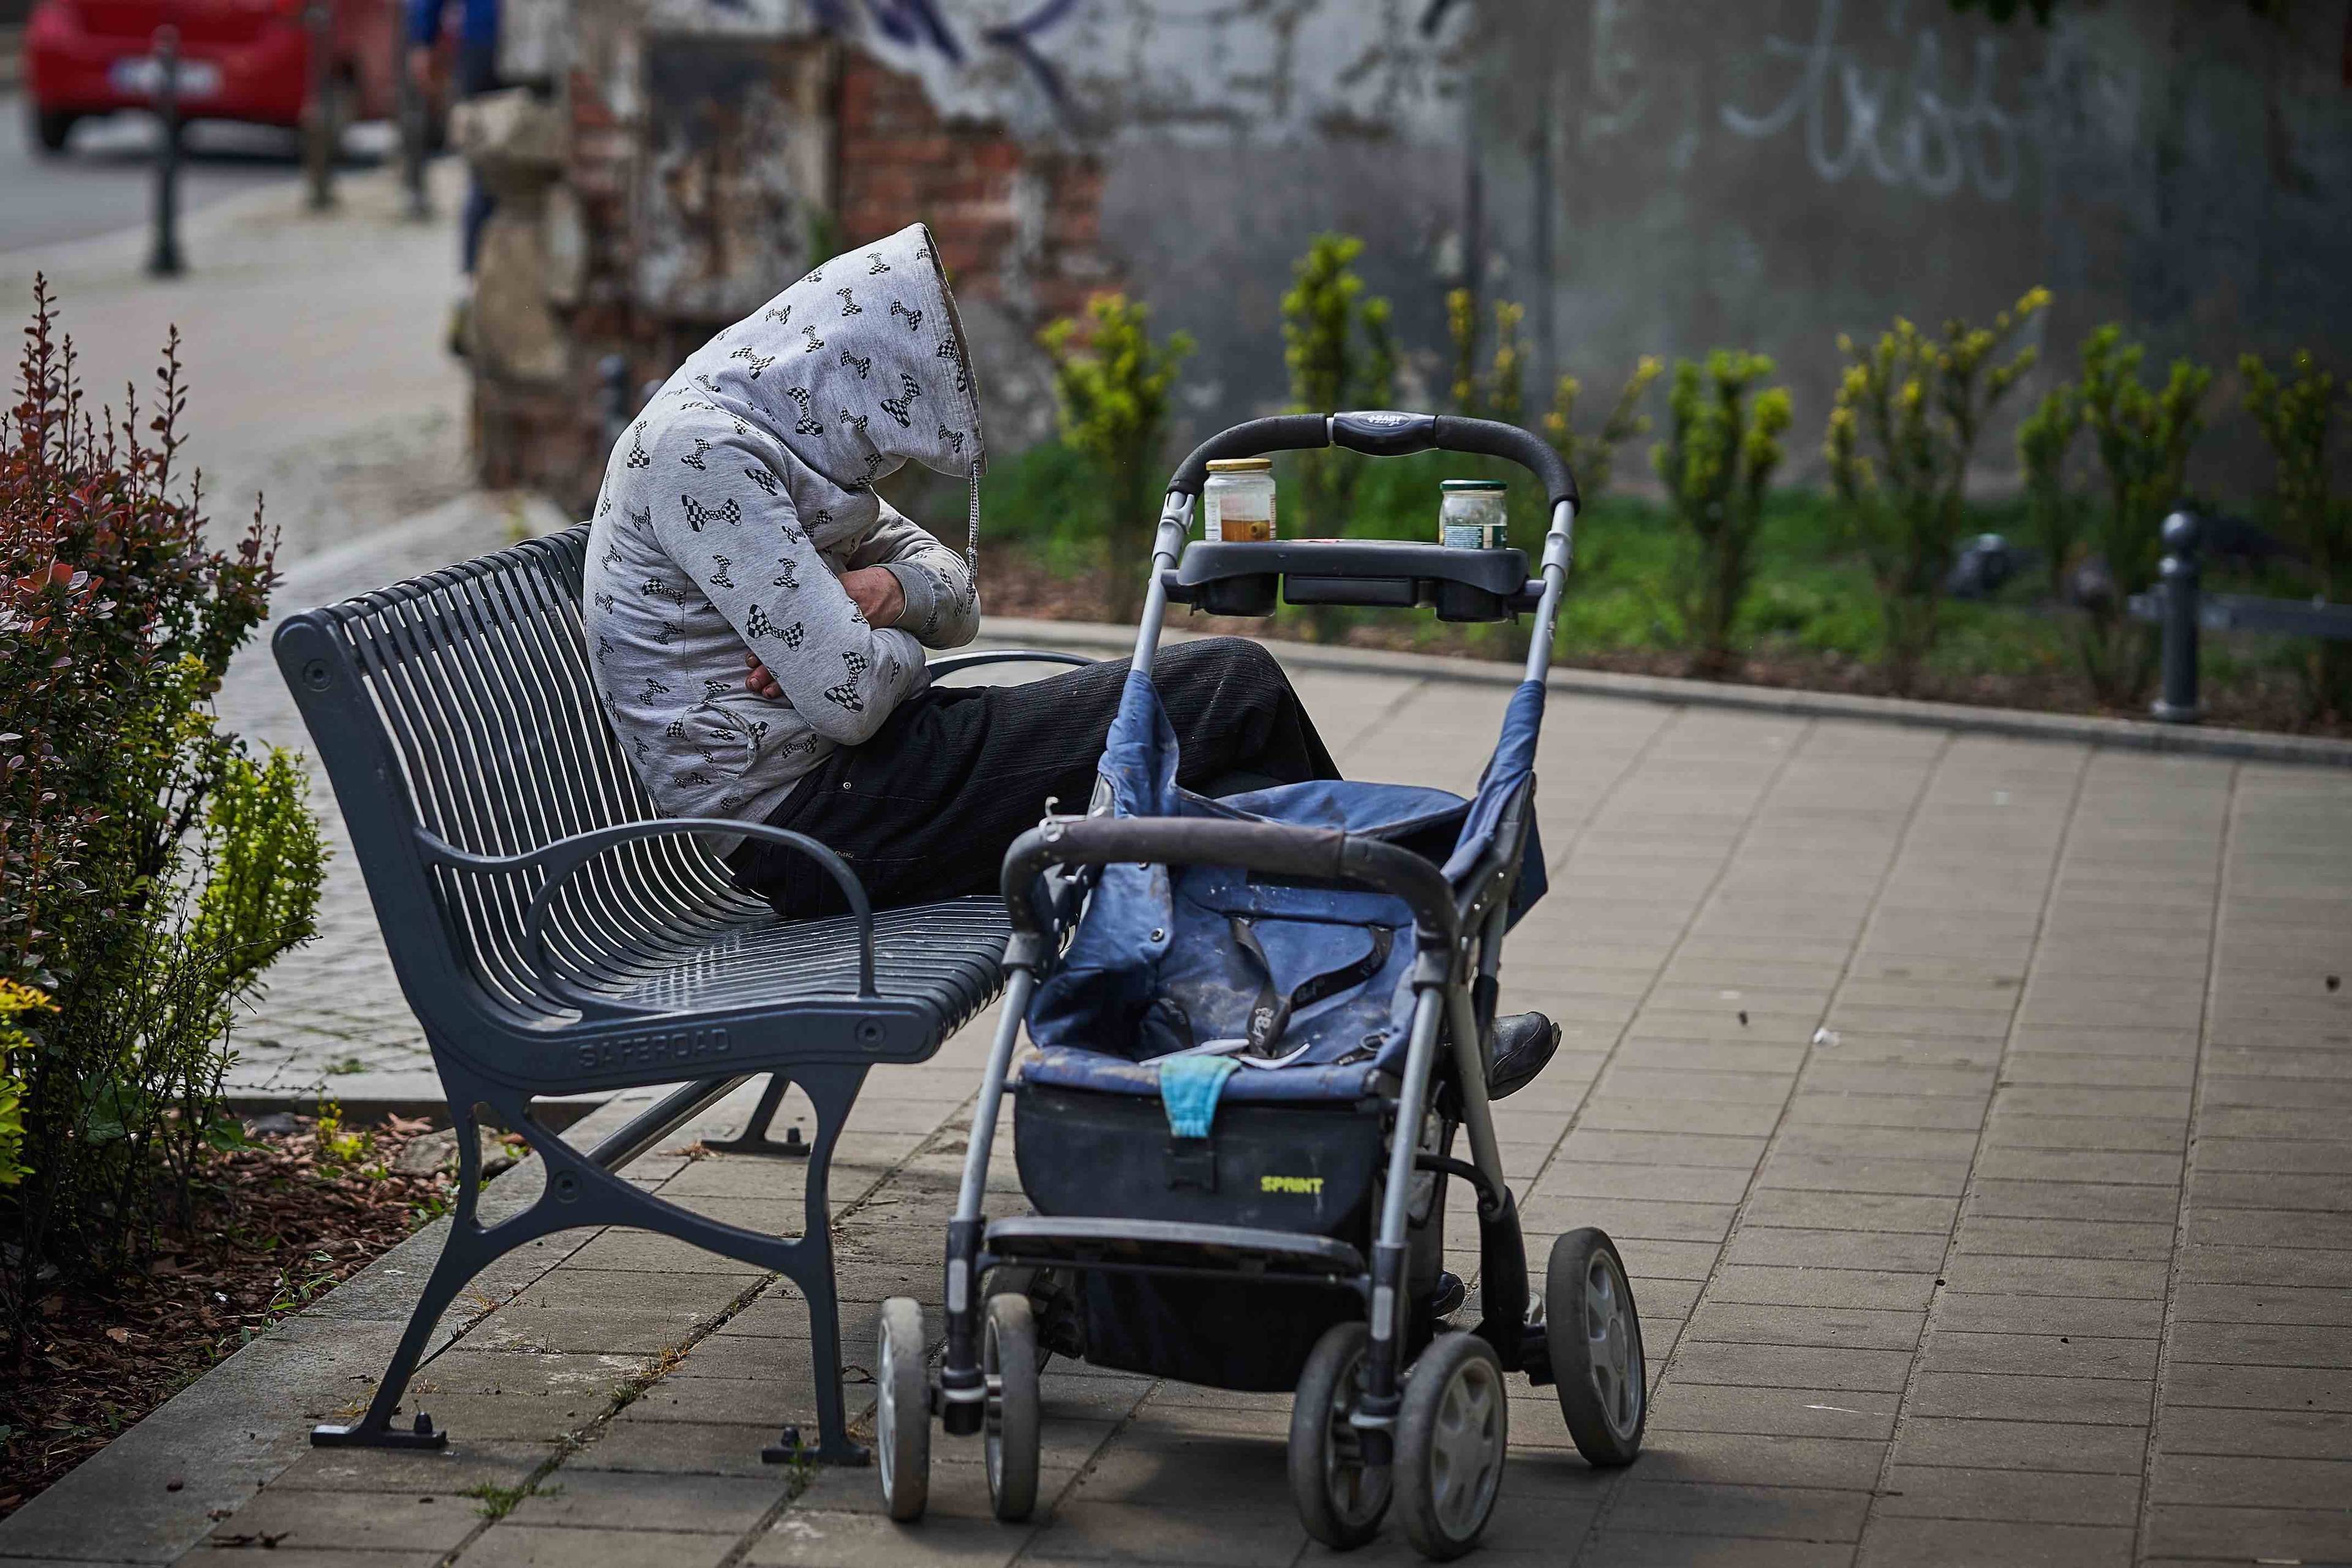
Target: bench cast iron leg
832, 1091
468, 1250
581, 1192
755, 1139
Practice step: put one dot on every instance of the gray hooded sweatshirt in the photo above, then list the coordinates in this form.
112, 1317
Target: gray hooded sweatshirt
730, 509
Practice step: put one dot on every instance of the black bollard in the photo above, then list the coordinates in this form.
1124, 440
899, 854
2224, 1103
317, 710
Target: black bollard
2180, 578
411, 108
163, 260
612, 370
319, 129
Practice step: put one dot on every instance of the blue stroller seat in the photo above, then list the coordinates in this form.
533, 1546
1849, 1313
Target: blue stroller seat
1305, 988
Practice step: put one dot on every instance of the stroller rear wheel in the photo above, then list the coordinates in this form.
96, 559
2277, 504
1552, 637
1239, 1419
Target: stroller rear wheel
1594, 1336
1009, 1356
902, 1411
1340, 1498
1452, 1434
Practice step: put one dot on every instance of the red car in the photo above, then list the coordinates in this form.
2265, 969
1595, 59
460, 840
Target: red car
239, 59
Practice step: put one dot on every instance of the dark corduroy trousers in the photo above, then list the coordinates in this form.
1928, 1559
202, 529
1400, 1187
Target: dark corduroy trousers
927, 807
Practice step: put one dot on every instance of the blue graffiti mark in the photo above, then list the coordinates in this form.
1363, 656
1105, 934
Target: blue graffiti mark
917, 24
1017, 36
915, 21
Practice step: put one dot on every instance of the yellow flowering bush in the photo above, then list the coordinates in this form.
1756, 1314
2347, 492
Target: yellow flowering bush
1722, 446
1902, 433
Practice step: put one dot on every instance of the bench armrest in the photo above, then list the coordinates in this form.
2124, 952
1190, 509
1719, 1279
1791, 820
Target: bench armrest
564, 859
974, 661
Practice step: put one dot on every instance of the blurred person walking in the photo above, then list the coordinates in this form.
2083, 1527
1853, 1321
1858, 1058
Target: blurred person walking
477, 73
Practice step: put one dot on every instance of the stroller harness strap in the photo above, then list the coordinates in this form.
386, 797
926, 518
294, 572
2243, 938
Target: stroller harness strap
1273, 1011
1270, 1015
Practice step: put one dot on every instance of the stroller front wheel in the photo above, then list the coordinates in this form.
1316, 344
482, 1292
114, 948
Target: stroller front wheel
902, 1411
1594, 1335
1340, 1498
1009, 1357
1452, 1434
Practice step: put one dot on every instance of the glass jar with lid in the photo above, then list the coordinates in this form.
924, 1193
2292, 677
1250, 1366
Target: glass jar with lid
1237, 503
1472, 514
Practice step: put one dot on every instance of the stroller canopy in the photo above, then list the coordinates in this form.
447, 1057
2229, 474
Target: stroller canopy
1283, 991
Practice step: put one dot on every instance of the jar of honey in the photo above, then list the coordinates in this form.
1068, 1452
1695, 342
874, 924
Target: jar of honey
1237, 503
1472, 515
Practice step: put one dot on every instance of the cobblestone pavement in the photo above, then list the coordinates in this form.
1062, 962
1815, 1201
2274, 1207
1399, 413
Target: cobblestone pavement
1971, 1112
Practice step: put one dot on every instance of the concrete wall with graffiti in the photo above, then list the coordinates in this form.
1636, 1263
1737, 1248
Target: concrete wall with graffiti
1644, 175
1773, 174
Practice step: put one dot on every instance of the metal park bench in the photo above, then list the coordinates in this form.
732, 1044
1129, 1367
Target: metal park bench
555, 935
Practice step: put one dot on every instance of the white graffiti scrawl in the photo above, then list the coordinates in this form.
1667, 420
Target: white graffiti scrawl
1900, 125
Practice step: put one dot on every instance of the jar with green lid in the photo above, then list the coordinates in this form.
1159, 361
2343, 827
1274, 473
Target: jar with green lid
1471, 515
1237, 503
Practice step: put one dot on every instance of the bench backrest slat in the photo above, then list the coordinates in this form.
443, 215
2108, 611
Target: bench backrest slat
477, 678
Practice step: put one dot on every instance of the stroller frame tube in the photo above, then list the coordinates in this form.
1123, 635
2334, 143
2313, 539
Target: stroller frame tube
1167, 544
1559, 548
964, 1387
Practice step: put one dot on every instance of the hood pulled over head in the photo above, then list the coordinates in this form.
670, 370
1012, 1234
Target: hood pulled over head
860, 367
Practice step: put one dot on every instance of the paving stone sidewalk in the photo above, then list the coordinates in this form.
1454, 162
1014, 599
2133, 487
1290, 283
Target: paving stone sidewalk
312, 348
1972, 1114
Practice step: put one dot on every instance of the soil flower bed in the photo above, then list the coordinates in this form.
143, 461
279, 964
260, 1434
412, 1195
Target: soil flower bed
301, 1207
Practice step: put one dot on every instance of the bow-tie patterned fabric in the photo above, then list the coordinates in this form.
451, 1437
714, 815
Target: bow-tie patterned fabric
860, 368
732, 508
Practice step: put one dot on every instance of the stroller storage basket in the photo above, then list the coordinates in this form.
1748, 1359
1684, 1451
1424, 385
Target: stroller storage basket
1307, 1168
1313, 1169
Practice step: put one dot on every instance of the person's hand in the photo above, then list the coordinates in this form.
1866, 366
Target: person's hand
759, 683
877, 595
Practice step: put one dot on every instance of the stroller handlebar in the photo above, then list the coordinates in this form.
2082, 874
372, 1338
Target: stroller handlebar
1321, 853
1381, 432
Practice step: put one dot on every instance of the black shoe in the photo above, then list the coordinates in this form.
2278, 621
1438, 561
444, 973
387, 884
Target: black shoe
1061, 1325
1445, 1297
1522, 1046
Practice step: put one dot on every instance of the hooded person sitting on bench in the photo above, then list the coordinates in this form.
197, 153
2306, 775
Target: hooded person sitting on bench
756, 615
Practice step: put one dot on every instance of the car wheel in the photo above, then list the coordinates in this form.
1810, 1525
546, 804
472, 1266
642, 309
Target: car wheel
51, 127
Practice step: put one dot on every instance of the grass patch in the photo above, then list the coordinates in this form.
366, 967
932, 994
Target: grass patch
498, 1502
1811, 620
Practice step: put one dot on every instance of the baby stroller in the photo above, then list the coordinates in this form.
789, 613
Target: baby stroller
1262, 1022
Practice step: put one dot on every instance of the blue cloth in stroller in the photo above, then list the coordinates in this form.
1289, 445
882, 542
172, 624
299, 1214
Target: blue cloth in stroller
1307, 986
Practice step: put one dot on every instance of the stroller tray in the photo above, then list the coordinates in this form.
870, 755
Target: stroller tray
1241, 578
1169, 1246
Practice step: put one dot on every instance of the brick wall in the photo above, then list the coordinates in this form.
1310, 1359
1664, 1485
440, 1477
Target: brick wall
1018, 229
